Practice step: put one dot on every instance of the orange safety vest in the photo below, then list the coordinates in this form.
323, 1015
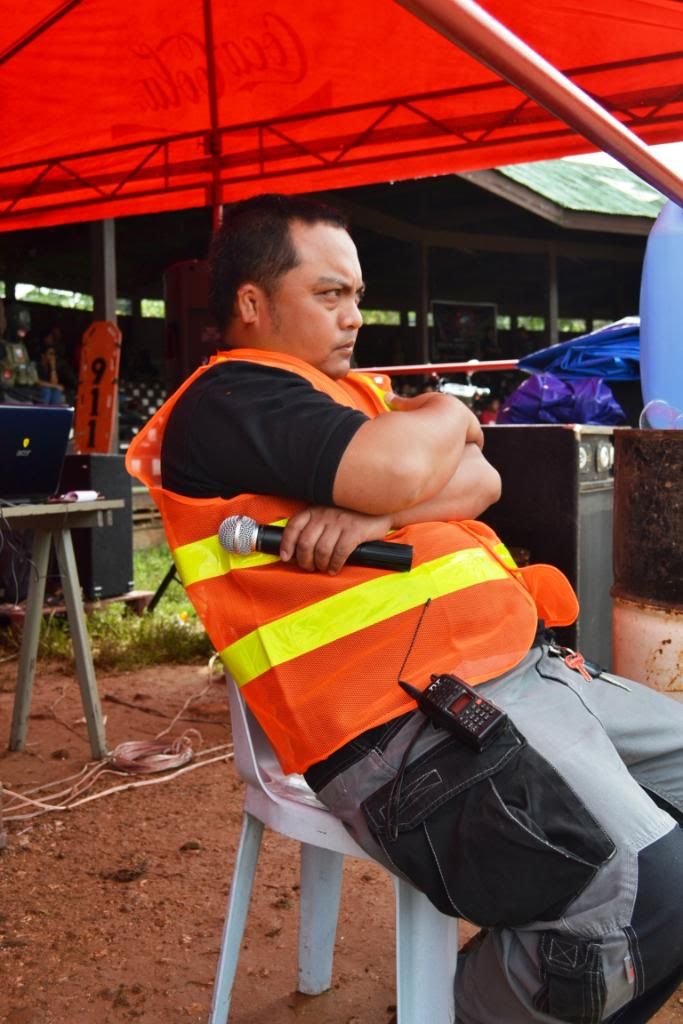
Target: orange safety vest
318, 656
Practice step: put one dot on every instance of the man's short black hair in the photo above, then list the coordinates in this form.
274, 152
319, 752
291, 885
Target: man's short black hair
254, 244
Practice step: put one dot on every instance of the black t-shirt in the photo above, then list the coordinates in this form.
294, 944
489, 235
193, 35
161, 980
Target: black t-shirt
246, 428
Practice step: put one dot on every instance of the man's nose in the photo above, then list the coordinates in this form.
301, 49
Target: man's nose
352, 316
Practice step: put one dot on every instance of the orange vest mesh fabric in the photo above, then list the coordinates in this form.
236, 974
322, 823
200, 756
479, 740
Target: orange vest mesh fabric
313, 702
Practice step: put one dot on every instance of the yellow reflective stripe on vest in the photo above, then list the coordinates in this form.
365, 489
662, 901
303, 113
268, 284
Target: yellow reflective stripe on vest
504, 555
380, 392
355, 609
204, 559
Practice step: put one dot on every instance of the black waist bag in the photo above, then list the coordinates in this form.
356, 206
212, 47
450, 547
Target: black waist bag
496, 837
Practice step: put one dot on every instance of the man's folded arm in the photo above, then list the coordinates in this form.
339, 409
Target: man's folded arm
474, 486
406, 457
322, 538
423, 465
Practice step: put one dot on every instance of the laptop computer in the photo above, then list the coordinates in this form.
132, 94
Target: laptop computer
33, 442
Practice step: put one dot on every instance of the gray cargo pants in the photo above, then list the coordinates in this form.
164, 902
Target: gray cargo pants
555, 839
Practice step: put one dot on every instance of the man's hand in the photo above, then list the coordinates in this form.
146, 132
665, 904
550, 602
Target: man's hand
321, 539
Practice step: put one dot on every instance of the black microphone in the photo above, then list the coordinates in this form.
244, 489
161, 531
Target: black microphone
241, 535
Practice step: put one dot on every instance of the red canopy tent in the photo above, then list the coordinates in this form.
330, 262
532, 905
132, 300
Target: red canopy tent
116, 108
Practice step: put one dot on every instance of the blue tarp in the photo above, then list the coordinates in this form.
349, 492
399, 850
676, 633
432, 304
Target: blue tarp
544, 398
611, 353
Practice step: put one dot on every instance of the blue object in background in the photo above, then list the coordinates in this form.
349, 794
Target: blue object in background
661, 310
661, 416
544, 398
611, 352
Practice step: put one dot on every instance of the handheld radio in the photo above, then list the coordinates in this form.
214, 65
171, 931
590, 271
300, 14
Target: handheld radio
454, 705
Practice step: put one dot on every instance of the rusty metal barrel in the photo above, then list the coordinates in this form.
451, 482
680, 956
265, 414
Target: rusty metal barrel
647, 595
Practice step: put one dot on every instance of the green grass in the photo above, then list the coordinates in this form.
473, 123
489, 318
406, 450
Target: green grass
119, 638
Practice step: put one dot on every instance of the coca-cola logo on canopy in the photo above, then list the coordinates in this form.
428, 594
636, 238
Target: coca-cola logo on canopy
175, 72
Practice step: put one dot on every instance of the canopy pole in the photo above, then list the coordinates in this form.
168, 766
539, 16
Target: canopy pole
37, 30
471, 28
215, 133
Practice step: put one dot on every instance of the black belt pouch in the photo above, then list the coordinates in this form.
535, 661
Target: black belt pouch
494, 836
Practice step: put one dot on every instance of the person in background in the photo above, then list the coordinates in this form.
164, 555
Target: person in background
490, 412
56, 378
51, 390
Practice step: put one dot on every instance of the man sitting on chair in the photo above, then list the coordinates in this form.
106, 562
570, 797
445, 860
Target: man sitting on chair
560, 836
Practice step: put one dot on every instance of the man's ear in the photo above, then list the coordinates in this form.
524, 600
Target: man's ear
249, 302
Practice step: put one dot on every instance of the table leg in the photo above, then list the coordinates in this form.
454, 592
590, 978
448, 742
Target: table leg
40, 551
85, 670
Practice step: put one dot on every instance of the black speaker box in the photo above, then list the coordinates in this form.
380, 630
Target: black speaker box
15, 563
191, 335
557, 507
104, 555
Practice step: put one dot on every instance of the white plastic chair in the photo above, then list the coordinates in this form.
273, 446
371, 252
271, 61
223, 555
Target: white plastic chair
426, 940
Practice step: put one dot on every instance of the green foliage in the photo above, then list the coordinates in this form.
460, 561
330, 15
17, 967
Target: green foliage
120, 639
385, 317
54, 297
153, 308
567, 325
150, 566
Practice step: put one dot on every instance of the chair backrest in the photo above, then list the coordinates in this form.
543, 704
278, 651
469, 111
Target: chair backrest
425, 939
255, 758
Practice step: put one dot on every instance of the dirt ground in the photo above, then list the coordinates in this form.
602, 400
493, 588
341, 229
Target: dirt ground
112, 911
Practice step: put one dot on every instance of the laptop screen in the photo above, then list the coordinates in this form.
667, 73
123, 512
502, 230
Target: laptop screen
33, 442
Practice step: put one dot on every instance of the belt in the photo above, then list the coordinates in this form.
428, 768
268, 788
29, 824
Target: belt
377, 738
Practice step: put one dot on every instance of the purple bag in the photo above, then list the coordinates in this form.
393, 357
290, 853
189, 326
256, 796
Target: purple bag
544, 398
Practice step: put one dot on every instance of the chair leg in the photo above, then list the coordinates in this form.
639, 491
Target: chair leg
321, 877
236, 916
426, 956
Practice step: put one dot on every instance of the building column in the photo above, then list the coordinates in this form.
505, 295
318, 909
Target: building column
423, 303
103, 278
103, 269
553, 305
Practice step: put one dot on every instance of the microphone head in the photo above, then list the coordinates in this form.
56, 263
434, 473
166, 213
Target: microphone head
237, 534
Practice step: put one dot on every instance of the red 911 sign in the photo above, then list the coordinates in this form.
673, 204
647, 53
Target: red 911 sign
97, 387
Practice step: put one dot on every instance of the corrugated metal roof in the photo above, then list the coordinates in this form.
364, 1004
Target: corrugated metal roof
588, 187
